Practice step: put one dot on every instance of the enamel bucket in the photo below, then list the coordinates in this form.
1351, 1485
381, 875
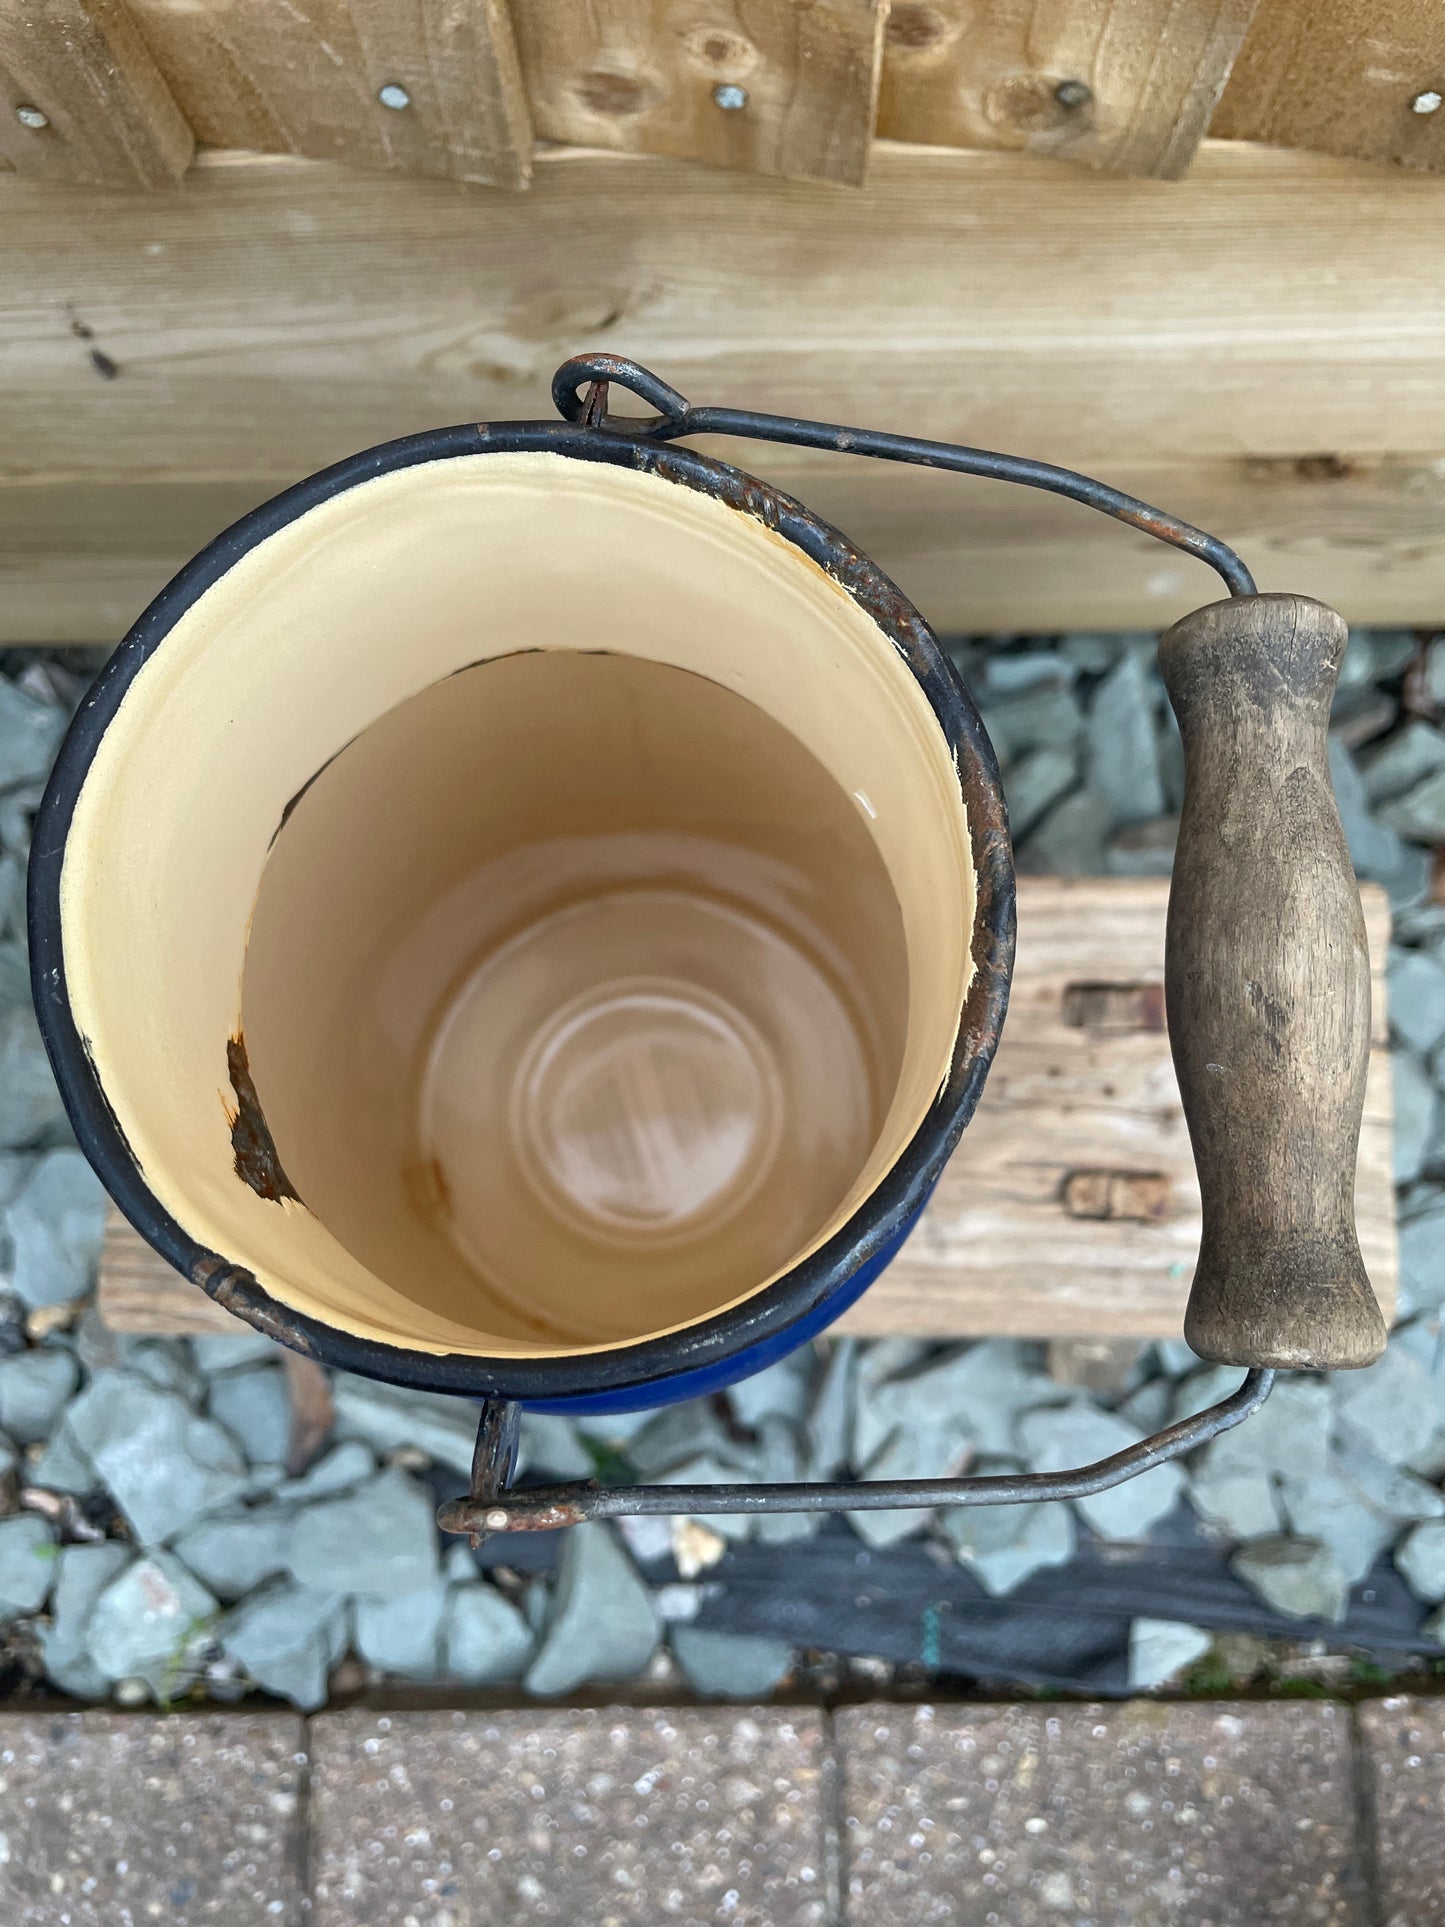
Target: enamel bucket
526, 913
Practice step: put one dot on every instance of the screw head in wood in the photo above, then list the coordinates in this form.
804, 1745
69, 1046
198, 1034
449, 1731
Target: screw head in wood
1428, 102
31, 117
1073, 93
730, 97
394, 95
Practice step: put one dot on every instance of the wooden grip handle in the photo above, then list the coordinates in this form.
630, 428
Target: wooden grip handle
1267, 985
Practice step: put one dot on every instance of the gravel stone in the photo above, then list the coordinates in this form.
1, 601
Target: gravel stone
1079, 1434
1375, 850
1399, 1494
153, 1622
1238, 1505
829, 1421
602, 1817
164, 1362
164, 1467
603, 1623
779, 1392
340, 1470
730, 1666
1299, 1577
1143, 849
550, 1444
933, 1448
30, 733
254, 1405
1123, 751
1290, 1435
1011, 675
82, 1574
1415, 982
234, 1555
34, 1387
1070, 839
484, 1639
287, 1639
387, 1416
1415, 1106
1420, 1557
1410, 755
980, 1391
1221, 1815
1419, 814
1044, 718
1330, 1510
402, 1635
380, 1541
62, 1466
1004, 1545
1035, 783
27, 1565
1388, 1405
1422, 1258
1202, 1389
55, 1227
114, 1819
679, 1434
225, 1351
1160, 1649
781, 1461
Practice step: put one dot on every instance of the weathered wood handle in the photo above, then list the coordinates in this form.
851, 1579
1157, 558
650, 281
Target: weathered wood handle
1267, 986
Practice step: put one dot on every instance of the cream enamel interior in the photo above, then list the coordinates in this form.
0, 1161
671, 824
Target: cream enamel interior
326, 627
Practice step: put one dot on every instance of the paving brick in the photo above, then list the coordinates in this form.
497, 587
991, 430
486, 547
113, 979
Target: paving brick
110, 1818
1404, 1748
595, 1817
1087, 1816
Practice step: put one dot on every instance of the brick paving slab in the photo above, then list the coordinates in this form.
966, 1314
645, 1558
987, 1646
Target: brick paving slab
1404, 1752
597, 1817
1086, 1816
117, 1820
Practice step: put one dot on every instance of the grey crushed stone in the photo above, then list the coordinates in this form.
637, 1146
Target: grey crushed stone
1123, 749
730, 1666
1161, 1649
233, 1554
603, 1623
1299, 1577
152, 1622
34, 1387
27, 1565
1056, 1438
1420, 1556
1330, 1509
387, 1417
164, 1466
82, 1575
54, 1227
340, 1469
1004, 1545
379, 1540
254, 1405
287, 1638
485, 1641
403, 1635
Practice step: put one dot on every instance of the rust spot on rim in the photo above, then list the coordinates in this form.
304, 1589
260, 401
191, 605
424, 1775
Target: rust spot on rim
257, 1162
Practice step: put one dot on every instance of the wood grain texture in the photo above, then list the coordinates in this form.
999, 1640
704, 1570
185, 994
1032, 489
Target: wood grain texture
1267, 978
998, 1249
1123, 84
304, 78
1260, 348
1339, 76
642, 75
111, 119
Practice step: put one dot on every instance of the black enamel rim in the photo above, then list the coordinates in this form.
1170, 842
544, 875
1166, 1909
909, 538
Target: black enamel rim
713, 1341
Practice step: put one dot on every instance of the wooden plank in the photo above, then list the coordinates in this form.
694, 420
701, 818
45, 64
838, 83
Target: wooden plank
308, 78
1343, 77
1260, 348
767, 86
1071, 1207
82, 100
1123, 84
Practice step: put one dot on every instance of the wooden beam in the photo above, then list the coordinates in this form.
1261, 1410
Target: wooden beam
1260, 348
767, 86
81, 99
1122, 84
316, 79
1343, 77
1071, 1206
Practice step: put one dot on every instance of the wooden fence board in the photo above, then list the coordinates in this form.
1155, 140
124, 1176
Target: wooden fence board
1123, 84
799, 83
1343, 77
306, 78
108, 115
1260, 348
1071, 1207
